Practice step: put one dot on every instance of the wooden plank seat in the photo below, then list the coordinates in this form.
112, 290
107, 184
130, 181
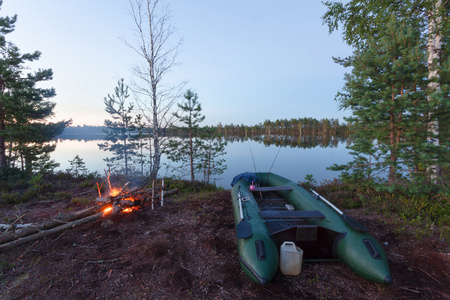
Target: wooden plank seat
295, 214
272, 188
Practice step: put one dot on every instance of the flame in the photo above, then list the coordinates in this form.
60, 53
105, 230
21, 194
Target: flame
107, 210
114, 192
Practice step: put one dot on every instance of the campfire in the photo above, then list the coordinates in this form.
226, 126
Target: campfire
125, 201
119, 201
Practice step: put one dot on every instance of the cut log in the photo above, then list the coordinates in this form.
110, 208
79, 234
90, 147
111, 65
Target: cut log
127, 202
168, 193
59, 220
19, 226
49, 232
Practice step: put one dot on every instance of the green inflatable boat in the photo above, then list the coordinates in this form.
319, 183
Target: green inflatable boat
270, 210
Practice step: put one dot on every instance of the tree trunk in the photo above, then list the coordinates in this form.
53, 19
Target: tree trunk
392, 141
156, 145
191, 154
434, 56
393, 151
2, 143
125, 148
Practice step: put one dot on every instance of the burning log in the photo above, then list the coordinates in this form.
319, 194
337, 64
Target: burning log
134, 198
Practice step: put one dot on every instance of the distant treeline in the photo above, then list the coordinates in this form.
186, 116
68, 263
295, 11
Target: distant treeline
293, 127
84, 132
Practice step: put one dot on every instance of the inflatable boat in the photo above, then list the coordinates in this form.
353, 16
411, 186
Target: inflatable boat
270, 210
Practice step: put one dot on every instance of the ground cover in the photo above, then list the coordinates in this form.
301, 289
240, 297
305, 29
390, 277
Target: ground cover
187, 249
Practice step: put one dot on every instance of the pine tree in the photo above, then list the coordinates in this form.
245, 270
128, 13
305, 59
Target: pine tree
25, 133
120, 129
182, 150
77, 167
140, 139
211, 149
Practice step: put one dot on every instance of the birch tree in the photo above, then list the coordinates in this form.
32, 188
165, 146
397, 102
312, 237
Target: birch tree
154, 45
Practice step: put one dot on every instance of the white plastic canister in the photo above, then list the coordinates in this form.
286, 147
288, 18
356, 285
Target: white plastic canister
291, 258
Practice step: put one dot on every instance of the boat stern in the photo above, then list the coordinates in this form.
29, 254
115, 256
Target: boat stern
259, 258
365, 256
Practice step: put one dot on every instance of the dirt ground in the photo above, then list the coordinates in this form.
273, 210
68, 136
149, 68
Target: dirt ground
187, 249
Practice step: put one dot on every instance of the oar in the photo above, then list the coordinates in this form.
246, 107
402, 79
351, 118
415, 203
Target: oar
350, 221
328, 202
243, 229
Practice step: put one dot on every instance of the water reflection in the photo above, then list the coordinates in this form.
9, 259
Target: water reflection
304, 142
291, 157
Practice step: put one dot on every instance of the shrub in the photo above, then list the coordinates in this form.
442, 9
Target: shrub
425, 213
187, 186
11, 198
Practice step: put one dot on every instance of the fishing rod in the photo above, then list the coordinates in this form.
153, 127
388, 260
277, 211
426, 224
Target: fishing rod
253, 159
273, 163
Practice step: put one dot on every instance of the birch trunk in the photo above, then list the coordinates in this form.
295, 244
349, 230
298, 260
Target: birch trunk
434, 57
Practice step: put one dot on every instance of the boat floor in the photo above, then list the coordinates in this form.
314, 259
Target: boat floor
269, 201
285, 224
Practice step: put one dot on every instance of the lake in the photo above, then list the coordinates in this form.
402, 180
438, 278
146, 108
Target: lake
292, 163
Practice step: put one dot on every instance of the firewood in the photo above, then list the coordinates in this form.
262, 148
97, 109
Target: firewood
19, 226
35, 228
102, 200
127, 202
49, 232
125, 188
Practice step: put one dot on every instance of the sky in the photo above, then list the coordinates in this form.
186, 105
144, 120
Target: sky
248, 61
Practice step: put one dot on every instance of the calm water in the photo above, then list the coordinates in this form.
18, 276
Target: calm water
292, 163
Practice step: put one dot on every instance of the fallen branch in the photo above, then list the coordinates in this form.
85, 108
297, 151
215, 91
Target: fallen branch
428, 275
28, 249
166, 193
